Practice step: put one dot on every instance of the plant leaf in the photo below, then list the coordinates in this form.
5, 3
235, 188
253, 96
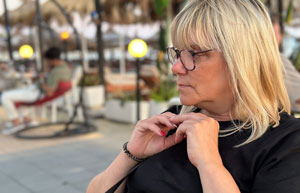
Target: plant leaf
289, 15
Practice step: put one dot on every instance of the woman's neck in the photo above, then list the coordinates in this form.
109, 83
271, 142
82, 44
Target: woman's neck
226, 116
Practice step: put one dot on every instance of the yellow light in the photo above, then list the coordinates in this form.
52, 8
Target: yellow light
137, 48
26, 51
64, 35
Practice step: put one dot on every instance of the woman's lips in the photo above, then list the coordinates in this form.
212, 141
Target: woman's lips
182, 86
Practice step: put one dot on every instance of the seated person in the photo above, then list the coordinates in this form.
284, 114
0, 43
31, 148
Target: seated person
8, 77
58, 71
291, 75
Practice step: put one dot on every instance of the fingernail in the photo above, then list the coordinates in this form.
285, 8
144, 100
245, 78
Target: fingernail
175, 125
162, 133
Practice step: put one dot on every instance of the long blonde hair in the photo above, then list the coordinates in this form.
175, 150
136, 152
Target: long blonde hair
242, 31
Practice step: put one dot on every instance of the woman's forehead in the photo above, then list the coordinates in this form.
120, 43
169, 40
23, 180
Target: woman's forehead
192, 46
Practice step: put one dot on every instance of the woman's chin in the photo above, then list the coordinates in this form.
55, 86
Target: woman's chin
186, 101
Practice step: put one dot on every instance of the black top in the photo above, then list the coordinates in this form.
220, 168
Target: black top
270, 164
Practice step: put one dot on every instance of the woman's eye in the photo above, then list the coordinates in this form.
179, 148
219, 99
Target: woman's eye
200, 57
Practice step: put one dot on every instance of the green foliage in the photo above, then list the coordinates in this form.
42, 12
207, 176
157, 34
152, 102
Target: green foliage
289, 14
296, 61
162, 39
165, 90
160, 7
90, 80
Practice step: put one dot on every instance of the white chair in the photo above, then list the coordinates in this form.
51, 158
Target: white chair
62, 92
69, 99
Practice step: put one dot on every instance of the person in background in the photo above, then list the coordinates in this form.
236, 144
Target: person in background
8, 78
234, 132
58, 71
291, 76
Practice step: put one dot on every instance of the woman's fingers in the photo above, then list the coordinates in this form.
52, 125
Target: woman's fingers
163, 122
189, 124
178, 119
181, 132
157, 124
168, 114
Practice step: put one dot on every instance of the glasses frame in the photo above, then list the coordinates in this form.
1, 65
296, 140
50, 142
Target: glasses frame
178, 55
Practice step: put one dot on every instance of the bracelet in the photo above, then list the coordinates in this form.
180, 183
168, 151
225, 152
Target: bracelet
130, 155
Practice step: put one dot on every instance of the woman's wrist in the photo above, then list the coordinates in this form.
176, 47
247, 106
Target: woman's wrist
130, 155
216, 178
209, 164
127, 159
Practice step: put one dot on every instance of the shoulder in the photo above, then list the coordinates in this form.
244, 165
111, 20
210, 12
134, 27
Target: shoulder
61, 68
289, 127
277, 141
281, 140
277, 155
287, 124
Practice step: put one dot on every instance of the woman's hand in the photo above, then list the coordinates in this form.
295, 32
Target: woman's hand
149, 138
202, 133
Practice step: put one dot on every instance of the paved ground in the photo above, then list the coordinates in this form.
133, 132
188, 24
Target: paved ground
64, 165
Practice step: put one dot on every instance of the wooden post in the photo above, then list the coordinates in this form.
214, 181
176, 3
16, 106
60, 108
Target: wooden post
7, 24
40, 33
100, 46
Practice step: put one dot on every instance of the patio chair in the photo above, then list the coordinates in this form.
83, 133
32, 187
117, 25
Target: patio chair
70, 98
63, 88
62, 127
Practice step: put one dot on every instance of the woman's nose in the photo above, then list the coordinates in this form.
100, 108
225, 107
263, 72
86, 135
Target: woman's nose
178, 68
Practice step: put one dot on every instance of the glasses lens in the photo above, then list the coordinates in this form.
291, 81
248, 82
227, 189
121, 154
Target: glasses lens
172, 55
187, 59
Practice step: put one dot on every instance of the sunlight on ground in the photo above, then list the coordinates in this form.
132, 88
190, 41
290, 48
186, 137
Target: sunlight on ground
11, 144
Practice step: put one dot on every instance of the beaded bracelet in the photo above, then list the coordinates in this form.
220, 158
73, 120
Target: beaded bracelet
130, 155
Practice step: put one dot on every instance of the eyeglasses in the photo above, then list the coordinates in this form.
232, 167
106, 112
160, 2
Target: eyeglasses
187, 57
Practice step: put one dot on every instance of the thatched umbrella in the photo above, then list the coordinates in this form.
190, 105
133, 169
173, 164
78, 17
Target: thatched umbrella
23, 14
50, 10
113, 11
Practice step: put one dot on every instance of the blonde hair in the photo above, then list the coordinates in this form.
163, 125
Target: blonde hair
242, 31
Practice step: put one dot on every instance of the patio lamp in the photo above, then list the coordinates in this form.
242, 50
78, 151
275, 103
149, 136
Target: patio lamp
64, 36
26, 51
137, 48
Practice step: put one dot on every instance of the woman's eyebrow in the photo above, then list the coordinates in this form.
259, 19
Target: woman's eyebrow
195, 47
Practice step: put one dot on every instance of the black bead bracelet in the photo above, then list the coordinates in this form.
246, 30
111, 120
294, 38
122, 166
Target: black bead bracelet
130, 155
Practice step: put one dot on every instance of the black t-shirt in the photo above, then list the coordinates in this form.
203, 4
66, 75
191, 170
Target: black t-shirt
270, 164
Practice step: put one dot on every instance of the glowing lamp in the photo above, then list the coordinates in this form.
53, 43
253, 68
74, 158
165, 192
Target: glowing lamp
64, 35
137, 48
26, 51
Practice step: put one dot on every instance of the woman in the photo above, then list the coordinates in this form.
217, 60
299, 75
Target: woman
234, 132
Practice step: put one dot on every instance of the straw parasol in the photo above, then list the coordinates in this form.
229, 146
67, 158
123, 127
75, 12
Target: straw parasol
113, 11
22, 15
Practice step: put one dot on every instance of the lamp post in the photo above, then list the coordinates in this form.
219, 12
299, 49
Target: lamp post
96, 15
26, 52
7, 24
65, 36
138, 49
40, 34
